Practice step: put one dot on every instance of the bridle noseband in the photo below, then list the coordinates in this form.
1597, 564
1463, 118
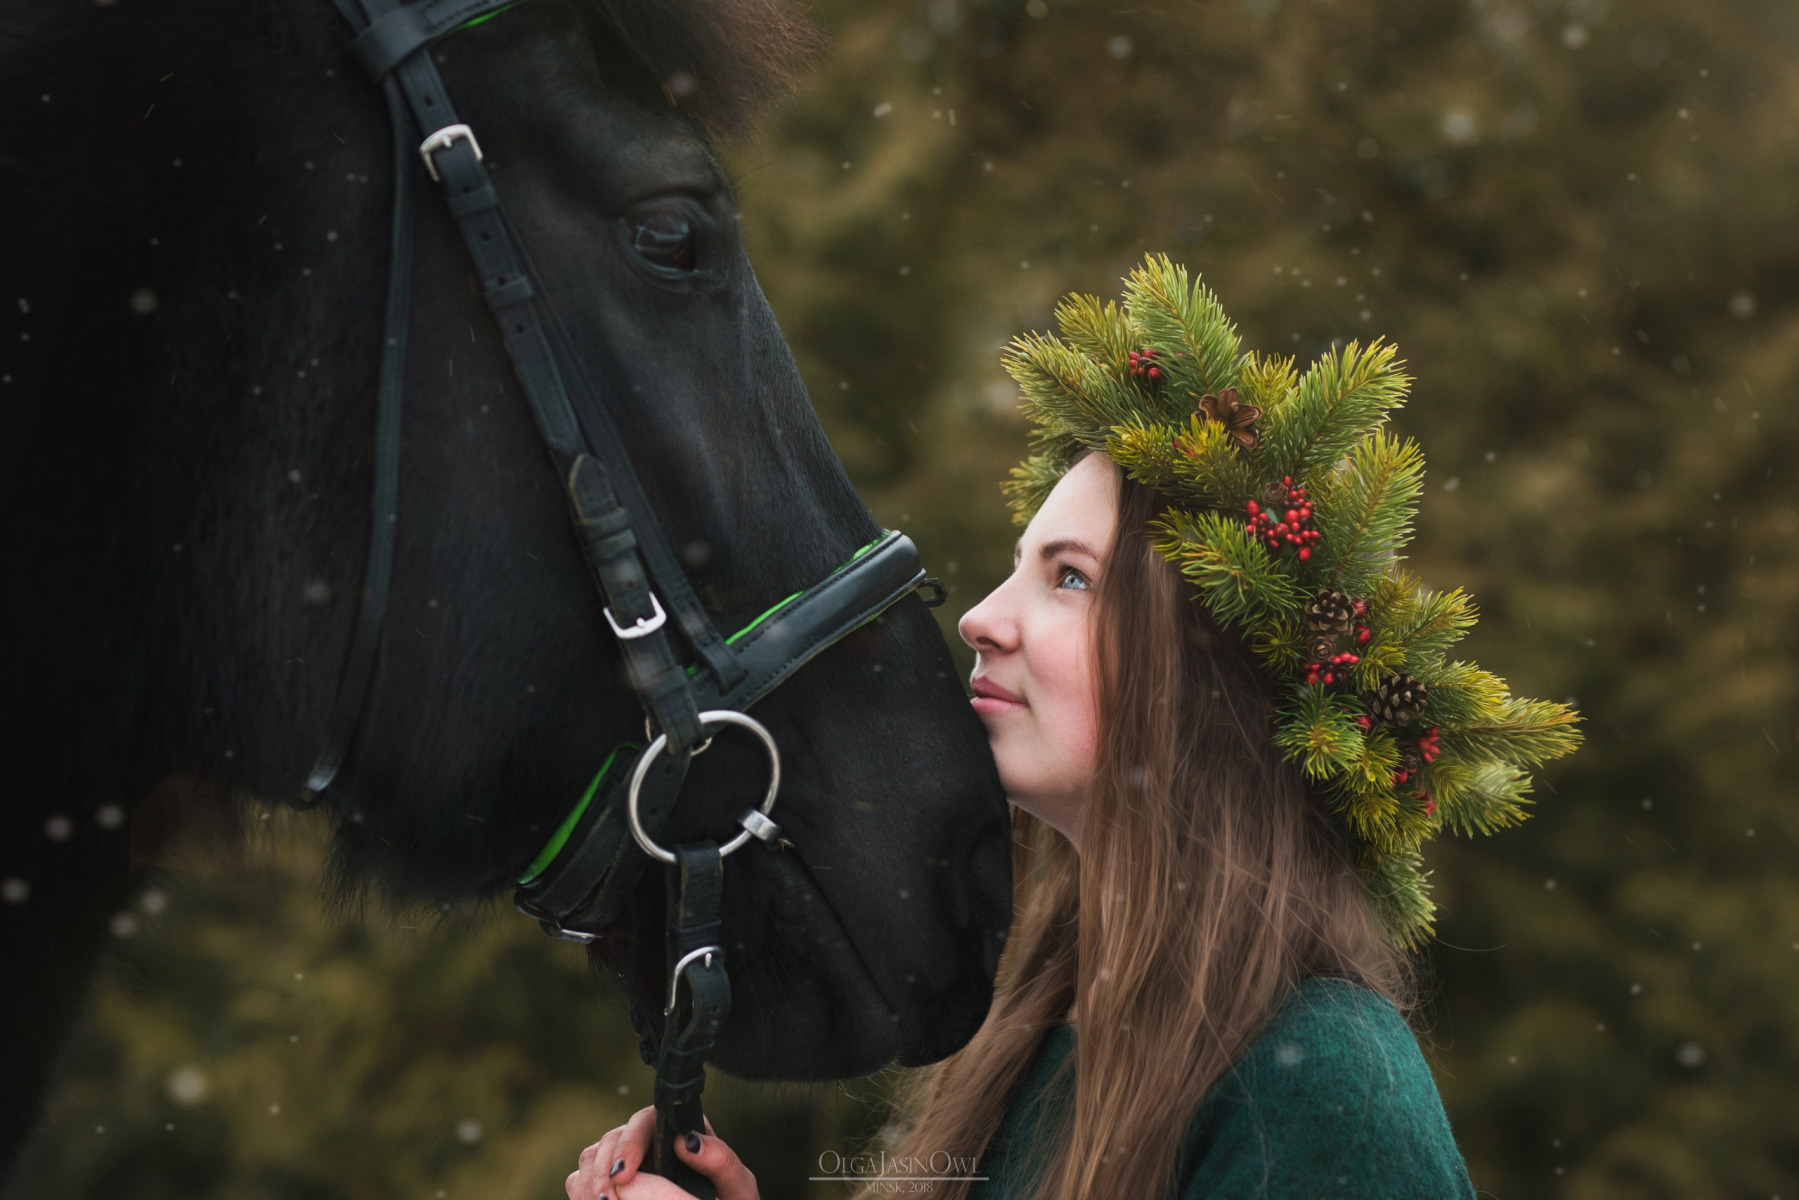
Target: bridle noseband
585, 875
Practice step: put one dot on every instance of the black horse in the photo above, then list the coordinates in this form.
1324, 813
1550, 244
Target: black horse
194, 199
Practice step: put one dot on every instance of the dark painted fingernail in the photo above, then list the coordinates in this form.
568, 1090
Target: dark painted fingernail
693, 1142
616, 1167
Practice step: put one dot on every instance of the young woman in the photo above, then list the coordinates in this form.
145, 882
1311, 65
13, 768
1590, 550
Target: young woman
1185, 906
1227, 722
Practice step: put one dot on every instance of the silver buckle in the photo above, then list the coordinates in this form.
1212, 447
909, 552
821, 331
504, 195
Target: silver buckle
674, 977
643, 626
441, 140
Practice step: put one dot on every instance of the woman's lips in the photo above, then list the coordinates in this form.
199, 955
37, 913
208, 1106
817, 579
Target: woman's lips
989, 697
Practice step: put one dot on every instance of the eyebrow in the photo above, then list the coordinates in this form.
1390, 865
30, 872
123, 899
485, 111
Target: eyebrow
1057, 547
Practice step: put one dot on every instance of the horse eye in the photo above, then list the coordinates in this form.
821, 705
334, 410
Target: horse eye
664, 239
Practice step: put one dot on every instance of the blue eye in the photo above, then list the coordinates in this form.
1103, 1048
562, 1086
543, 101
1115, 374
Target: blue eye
1070, 578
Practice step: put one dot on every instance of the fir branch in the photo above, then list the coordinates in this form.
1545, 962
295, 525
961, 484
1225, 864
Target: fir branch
1460, 694
1436, 623
1379, 659
1521, 733
1477, 796
1154, 456
1066, 391
1318, 735
1336, 403
1400, 888
1238, 578
1365, 510
1183, 322
1032, 480
1371, 811
1392, 606
1225, 475
1372, 772
1280, 643
1267, 381
1101, 331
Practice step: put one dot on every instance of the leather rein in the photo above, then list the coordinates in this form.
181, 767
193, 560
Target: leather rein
586, 874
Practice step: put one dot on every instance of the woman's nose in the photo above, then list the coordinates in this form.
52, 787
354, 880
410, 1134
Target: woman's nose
988, 627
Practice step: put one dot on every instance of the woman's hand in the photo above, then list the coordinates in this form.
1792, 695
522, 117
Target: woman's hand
608, 1168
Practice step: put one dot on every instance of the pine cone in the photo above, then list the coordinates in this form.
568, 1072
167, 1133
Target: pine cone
1320, 648
1239, 419
1399, 700
1411, 760
1330, 612
1274, 496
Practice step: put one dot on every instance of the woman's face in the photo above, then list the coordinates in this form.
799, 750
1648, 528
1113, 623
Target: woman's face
1033, 642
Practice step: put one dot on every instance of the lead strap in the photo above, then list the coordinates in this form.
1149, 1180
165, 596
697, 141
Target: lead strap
698, 1001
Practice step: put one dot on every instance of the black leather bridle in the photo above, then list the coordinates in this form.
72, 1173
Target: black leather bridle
586, 874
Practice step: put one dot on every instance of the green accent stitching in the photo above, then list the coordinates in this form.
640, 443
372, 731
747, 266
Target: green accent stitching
694, 669
553, 847
765, 616
783, 604
474, 21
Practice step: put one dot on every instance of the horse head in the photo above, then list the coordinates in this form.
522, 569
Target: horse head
195, 500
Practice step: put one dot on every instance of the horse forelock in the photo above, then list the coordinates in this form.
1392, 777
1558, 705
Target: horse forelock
722, 62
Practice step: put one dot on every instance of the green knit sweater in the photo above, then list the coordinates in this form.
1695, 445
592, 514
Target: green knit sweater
1331, 1099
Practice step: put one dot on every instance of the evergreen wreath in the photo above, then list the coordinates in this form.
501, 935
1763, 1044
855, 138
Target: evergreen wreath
1289, 504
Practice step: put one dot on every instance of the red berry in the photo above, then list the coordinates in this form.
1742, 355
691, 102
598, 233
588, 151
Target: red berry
1304, 554
1253, 508
1430, 808
1155, 372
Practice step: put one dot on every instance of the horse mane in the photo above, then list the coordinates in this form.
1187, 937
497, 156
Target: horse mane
722, 62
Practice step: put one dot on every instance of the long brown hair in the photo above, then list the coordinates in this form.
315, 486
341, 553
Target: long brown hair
1210, 880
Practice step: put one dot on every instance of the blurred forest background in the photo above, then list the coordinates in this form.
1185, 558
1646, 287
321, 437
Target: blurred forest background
1577, 219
